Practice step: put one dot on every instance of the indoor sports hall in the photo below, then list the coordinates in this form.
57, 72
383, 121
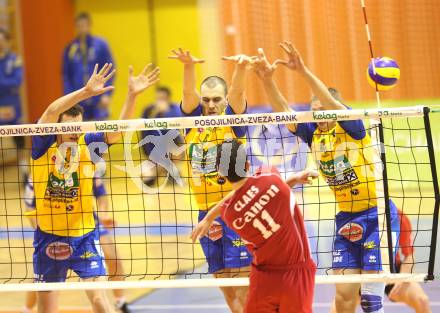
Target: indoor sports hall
115, 121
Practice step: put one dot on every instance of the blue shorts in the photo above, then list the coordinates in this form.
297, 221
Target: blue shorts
357, 242
55, 255
227, 252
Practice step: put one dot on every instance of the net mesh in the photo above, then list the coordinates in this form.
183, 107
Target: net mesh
154, 209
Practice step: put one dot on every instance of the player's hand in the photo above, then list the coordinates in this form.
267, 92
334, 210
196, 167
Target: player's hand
294, 61
302, 178
185, 57
306, 177
202, 229
147, 78
262, 67
240, 59
96, 84
397, 290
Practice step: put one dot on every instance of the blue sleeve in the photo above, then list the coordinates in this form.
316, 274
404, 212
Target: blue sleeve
305, 131
40, 145
355, 128
106, 57
239, 131
14, 80
67, 85
94, 137
196, 112
174, 111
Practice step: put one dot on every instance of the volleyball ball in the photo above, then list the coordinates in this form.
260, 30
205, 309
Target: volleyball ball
385, 74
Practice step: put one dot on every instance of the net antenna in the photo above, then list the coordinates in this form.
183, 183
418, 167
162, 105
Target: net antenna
380, 169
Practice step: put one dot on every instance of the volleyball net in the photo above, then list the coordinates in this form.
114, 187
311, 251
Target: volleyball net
150, 204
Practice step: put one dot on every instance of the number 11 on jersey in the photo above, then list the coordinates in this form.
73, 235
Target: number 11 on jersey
266, 232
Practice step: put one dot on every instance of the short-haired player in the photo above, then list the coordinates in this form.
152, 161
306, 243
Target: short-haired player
62, 175
225, 253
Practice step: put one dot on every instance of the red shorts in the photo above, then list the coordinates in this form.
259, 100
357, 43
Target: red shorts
283, 291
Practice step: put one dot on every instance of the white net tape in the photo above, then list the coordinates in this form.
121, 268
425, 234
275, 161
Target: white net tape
208, 121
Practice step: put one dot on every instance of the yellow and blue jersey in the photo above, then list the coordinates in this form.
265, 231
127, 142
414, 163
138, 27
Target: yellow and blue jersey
207, 186
63, 185
345, 156
345, 159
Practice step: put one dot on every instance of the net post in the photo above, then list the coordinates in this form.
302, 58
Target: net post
435, 219
386, 198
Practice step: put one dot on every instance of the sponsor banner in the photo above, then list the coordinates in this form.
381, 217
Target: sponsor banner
206, 121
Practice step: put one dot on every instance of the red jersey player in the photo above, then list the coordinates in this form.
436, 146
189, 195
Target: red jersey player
262, 210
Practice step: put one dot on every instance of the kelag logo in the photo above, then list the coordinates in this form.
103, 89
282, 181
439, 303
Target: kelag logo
154, 124
106, 126
324, 116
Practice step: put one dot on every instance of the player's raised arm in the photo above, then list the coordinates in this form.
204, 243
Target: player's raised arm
203, 226
303, 177
94, 87
191, 98
264, 70
136, 85
296, 63
237, 94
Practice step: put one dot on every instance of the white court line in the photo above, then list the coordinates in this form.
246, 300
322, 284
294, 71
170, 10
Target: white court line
201, 283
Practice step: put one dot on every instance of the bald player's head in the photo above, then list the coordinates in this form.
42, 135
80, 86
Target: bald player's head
213, 92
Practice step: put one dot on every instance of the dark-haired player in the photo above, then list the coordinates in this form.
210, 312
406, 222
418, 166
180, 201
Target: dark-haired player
62, 174
263, 211
225, 253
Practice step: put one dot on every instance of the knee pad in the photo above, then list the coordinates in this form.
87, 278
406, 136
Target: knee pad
372, 295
